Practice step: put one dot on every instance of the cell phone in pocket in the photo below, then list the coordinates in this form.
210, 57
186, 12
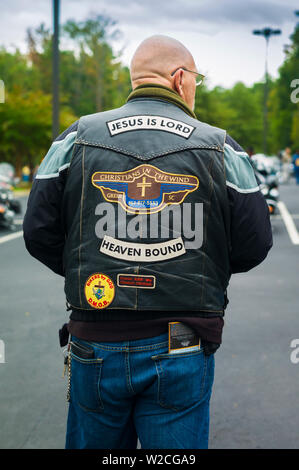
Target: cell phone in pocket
182, 338
80, 350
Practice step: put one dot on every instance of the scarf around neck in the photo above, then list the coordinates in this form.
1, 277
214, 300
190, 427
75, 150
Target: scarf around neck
153, 90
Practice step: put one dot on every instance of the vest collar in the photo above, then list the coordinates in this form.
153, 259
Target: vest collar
153, 90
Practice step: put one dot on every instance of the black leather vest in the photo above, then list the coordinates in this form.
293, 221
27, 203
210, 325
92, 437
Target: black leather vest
146, 212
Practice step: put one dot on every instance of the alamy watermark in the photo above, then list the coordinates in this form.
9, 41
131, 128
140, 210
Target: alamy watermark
2, 91
176, 220
2, 352
295, 93
295, 353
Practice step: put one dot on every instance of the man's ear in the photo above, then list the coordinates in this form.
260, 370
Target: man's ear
178, 82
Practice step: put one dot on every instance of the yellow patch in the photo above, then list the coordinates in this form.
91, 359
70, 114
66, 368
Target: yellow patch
99, 290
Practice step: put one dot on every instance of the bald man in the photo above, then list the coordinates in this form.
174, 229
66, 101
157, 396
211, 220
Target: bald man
156, 57
146, 212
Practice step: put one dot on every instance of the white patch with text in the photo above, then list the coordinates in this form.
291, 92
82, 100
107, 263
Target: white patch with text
142, 252
157, 123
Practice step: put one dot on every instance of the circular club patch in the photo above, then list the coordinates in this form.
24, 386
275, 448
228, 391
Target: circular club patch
99, 290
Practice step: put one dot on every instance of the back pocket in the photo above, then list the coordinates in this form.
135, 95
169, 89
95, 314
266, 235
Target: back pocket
85, 382
181, 379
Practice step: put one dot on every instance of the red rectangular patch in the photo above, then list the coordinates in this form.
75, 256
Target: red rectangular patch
135, 280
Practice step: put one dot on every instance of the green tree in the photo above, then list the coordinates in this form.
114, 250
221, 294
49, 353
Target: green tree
92, 78
15, 71
237, 110
101, 75
25, 127
283, 112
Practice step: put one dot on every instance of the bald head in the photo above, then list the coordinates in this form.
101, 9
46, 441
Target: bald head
156, 58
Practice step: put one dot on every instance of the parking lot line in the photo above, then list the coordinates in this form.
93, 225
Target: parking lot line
278, 217
289, 223
12, 236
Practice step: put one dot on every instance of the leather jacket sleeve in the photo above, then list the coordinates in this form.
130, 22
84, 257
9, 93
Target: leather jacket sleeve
251, 233
43, 228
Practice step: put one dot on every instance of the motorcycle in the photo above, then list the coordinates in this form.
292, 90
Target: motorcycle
6, 214
7, 183
9, 206
268, 179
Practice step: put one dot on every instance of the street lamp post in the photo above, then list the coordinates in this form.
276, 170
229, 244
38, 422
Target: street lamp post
267, 33
55, 68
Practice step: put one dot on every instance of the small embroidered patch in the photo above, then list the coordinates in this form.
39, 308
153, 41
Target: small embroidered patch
99, 290
136, 280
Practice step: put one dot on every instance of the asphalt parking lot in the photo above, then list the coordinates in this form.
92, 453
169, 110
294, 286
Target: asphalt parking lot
255, 400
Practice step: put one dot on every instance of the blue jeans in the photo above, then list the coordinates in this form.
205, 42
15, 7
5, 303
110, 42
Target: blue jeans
135, 389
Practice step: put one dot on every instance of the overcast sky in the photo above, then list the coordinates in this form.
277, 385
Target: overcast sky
217, 32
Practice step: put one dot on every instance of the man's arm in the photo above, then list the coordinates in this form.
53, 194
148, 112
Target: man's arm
251, 233
43, 232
